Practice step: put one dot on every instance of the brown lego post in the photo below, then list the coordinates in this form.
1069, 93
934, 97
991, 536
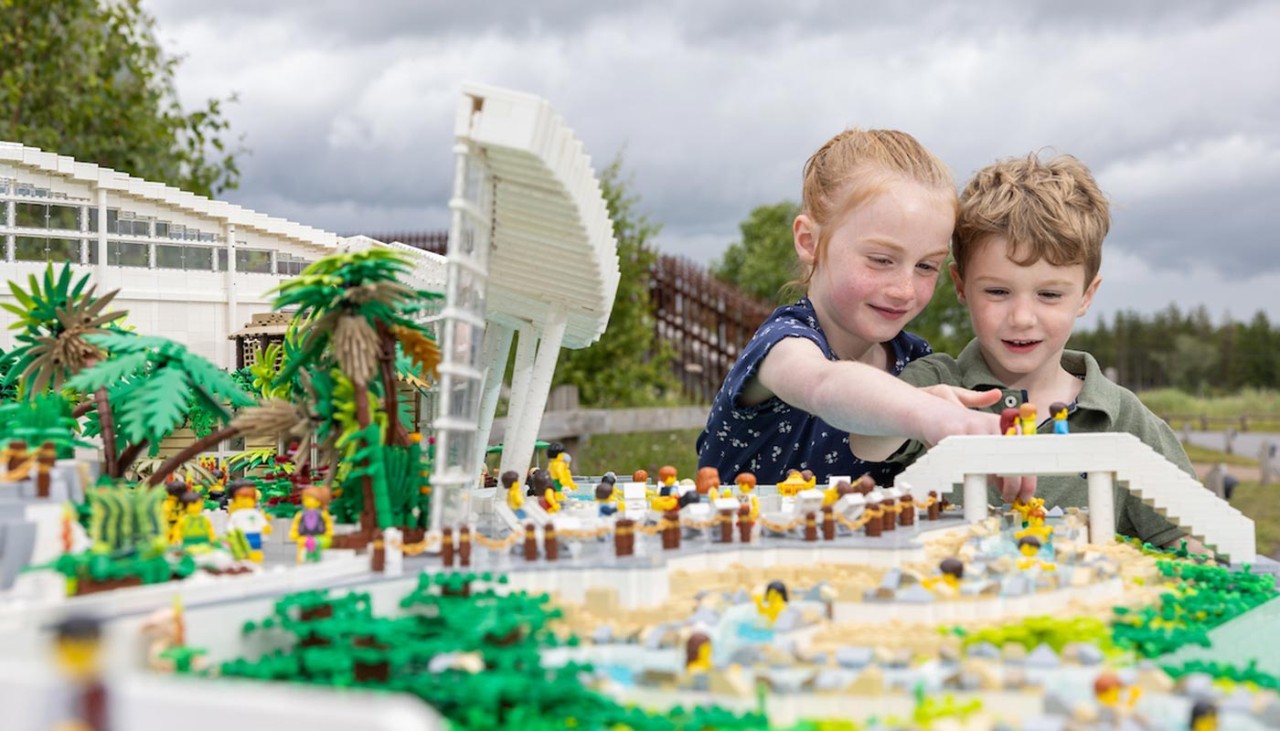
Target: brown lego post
446, 546
530, 542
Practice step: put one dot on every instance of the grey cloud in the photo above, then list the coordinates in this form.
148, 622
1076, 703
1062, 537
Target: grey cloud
717, 104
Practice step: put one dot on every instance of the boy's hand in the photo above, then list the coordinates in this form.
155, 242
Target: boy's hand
1016, 487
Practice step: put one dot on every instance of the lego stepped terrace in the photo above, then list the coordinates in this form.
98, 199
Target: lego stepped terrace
242, 484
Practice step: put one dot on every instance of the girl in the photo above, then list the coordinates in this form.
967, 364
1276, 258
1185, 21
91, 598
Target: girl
872, 236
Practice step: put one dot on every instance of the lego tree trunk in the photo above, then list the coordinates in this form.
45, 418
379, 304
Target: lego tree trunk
209, 441
368, 512
107, 428
129, 455
396, 433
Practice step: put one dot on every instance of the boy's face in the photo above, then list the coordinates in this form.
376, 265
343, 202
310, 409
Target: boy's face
1022, 316
881, 265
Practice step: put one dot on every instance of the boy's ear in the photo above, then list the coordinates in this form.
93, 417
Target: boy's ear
1089, 292
957, 281
804, 232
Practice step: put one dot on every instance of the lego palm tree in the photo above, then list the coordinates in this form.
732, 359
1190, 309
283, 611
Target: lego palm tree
151, 384
57, 317
351, 312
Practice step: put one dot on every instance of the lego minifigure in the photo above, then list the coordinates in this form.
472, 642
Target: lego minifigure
1027, 418
606, 505
1029, 546
245, 517
667, 475
750, 507
174, 490
697, 653
194, 530
541, 485
1204, 716
951, 571
1058, 411
708, 479
773, 601
1009, 425
515, 499
794, 483
1115, 699
78, 651
312, 527
558, 466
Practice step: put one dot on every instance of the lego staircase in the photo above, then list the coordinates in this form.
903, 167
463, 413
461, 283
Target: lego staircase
1136, 466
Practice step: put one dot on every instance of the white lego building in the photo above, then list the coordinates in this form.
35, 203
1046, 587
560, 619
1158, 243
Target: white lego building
188, 268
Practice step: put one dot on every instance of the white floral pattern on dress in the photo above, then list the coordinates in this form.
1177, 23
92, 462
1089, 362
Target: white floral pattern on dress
756, 439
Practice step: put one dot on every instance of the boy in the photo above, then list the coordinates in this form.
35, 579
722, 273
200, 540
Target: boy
1027, 250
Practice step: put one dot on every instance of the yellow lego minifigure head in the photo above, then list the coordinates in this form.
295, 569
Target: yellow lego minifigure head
1106, 689
1029, 546
1204, 716
952, 570
314, 497
667, 475
746, 482
78, 647
192, 503
243, 498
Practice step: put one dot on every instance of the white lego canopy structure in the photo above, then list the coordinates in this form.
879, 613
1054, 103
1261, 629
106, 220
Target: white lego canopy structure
188, 268
531, 251
1104, 458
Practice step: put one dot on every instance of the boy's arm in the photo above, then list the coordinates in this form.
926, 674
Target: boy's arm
864, 400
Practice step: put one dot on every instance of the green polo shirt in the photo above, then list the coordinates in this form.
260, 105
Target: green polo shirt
1102, 406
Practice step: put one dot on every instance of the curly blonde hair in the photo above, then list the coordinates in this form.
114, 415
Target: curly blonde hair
1050, 210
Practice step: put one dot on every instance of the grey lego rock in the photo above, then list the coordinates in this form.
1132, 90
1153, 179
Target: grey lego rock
853, 657
1043, 657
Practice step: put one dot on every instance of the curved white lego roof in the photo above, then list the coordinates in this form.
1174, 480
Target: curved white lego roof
552, 242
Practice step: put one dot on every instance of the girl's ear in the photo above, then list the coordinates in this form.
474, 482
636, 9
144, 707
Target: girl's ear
804, 231
957, 282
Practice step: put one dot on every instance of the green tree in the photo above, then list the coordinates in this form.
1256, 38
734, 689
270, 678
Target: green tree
628, 366
86, 78
764, 262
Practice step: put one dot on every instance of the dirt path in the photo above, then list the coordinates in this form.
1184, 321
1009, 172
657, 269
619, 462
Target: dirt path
1246, 473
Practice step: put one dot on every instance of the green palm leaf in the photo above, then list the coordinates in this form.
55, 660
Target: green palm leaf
109, 372
156, 409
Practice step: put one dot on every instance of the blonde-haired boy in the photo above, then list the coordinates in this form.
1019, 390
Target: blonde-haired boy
1027, 250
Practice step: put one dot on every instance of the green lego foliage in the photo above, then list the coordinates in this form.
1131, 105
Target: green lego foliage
461, 622
1044, 630
1248, 675
1201, 597
127, 518
55, 316
46, 417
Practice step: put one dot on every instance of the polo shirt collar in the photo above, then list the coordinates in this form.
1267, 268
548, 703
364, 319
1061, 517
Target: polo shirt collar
974, 374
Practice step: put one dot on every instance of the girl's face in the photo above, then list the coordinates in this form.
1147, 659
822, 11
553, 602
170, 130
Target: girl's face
881, 265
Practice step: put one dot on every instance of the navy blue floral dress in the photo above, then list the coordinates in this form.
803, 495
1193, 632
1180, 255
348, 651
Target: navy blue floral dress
770, 438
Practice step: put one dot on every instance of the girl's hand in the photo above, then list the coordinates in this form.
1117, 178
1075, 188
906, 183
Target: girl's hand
963, 396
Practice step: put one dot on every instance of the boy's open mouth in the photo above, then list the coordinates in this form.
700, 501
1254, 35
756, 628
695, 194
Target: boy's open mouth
1020, 346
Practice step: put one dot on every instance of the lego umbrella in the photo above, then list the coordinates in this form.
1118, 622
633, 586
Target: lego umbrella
497, 448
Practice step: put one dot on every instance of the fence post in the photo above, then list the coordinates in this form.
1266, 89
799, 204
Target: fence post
1268, 463
1229, 436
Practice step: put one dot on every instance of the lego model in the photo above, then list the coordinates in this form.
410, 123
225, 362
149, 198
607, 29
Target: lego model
447, 603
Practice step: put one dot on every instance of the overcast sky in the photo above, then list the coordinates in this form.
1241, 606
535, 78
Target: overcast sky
347, 108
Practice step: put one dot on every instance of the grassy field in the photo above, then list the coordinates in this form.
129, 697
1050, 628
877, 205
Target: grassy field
626, 453
1204, 454
1262, 407
1259, 503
